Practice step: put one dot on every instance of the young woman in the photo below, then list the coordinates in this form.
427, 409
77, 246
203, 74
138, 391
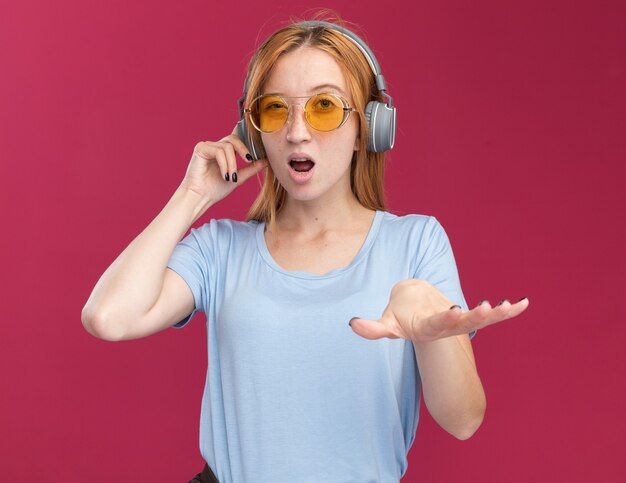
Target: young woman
326, 315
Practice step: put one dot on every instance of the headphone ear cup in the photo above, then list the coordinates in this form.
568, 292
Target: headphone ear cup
257, 152
381, 123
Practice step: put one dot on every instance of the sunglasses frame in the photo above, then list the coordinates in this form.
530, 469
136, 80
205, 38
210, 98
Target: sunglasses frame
346, 110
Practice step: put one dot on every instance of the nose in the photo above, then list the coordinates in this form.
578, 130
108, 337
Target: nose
298, 129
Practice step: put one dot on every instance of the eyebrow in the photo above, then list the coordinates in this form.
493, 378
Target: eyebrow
317, 89
326, 86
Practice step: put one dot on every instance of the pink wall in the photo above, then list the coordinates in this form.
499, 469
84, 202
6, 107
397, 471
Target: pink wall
512, 120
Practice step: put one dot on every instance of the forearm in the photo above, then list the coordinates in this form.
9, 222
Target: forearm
132, 284
452, 389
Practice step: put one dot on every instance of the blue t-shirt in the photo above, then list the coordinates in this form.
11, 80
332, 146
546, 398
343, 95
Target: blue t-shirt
292, 394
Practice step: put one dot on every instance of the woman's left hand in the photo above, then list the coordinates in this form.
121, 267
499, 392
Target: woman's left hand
420, 312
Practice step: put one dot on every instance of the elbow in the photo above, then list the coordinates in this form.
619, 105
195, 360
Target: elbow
96, 324
467, 432
470, 427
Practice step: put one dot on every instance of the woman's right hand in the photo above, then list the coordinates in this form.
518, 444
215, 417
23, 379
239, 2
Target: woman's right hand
212, 172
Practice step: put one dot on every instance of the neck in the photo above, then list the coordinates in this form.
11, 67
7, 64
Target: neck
320, 215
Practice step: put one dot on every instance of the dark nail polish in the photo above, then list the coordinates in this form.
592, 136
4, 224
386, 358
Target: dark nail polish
455, 307
522, 299
502, 301
226, 177
350, 323
248, 157
234, 177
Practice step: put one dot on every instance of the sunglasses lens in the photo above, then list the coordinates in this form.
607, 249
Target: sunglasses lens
269, 113
325, 112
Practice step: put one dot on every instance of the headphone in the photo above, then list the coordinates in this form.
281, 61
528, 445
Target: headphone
380, 116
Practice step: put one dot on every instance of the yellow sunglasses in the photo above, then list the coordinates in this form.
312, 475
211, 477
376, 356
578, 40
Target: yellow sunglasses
323, 112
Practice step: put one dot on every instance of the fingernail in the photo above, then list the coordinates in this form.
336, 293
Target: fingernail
522, 299
502, 301
455, 307
482, 302
226, 177
248, 157
234, 177
350, 323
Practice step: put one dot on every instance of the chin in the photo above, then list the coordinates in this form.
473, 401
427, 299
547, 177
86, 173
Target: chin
298, 193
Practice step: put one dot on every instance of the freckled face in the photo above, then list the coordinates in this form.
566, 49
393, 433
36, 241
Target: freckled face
305, 72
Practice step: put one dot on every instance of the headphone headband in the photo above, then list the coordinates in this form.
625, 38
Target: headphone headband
363, 47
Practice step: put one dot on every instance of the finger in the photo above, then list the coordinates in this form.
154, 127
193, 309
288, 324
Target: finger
443, 324
370, 329
231, 160
239, 146
505, 310
247, 172
205, 150
484, 315
209, 152
522, 304
517, 308
220, 159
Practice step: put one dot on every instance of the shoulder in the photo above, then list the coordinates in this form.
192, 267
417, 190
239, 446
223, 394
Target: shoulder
410, 225
417, 237
224, 231
225, 226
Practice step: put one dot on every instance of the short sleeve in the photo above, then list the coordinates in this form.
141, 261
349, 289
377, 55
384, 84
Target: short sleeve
191, 259
437, 265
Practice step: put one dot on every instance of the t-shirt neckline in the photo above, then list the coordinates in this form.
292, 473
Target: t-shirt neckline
369, 240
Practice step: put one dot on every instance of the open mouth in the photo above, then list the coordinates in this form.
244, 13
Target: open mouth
301, 165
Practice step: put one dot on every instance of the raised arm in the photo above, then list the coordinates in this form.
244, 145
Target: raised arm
138, 295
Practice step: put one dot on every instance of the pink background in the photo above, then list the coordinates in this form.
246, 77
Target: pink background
512, 120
